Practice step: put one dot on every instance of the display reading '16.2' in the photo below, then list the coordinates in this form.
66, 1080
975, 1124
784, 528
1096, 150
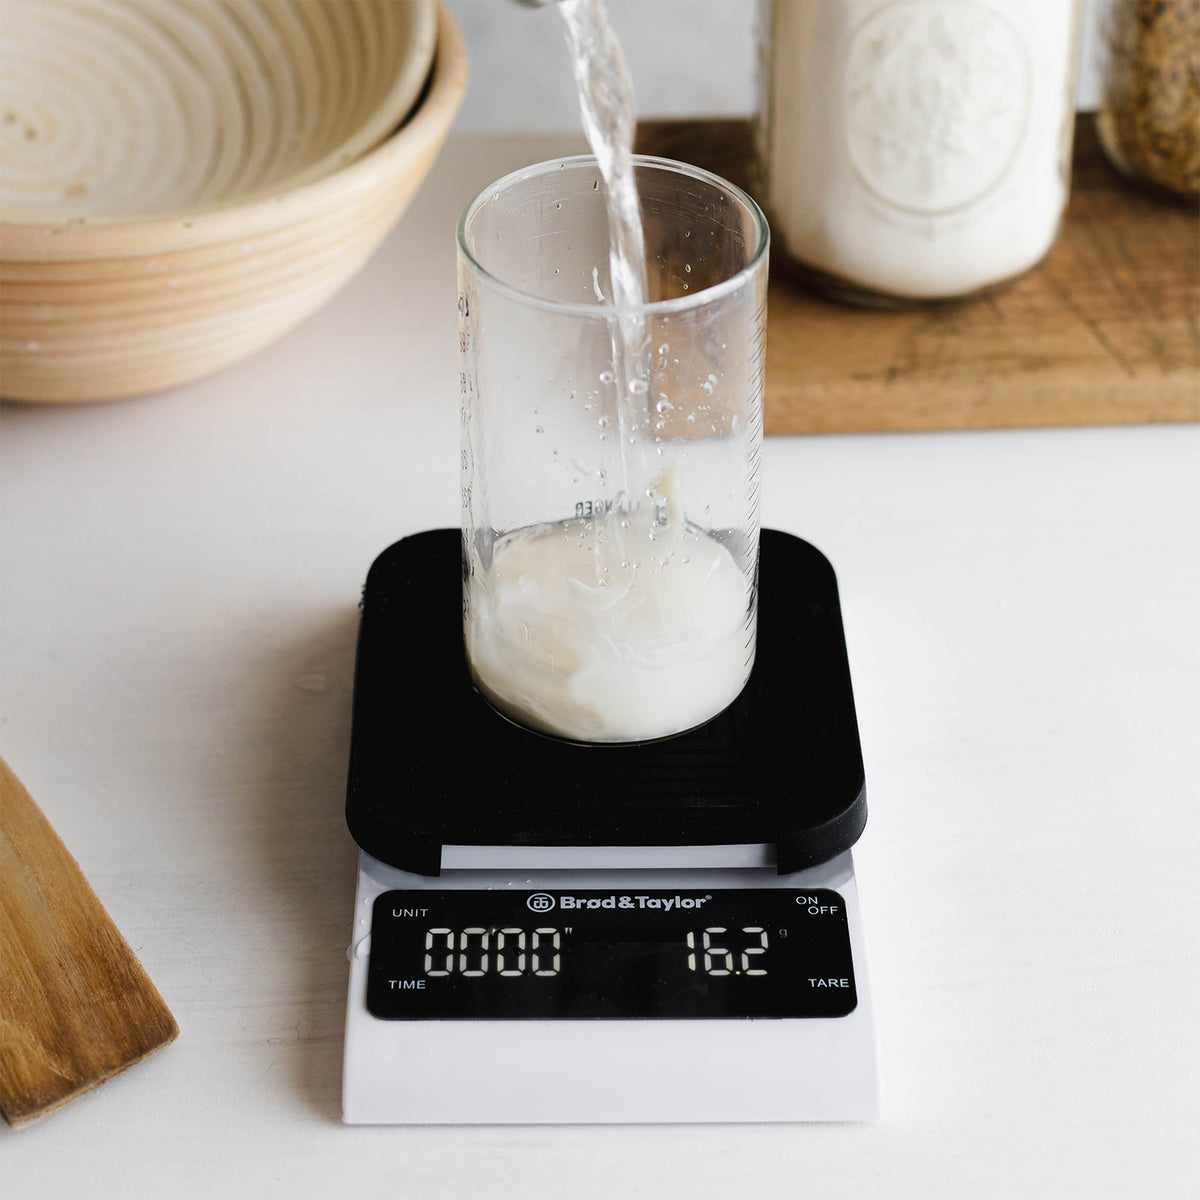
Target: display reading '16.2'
511, 951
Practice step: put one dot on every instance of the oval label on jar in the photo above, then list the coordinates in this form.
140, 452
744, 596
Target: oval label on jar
936, 101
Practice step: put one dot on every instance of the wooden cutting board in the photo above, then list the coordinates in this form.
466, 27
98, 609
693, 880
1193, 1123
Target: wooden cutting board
1105, 331
76, 1007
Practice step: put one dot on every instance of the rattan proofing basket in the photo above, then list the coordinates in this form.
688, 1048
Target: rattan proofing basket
104, 306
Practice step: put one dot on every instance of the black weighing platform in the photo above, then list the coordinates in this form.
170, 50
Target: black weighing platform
432, 764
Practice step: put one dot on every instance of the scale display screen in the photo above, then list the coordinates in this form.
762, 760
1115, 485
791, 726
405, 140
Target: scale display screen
648, 953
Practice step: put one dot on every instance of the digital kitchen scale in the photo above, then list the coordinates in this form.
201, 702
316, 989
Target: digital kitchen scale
554, 933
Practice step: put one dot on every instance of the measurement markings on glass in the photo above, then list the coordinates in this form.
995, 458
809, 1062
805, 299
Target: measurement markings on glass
736, 953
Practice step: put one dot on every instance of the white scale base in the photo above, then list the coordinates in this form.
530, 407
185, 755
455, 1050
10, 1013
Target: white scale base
506, 1072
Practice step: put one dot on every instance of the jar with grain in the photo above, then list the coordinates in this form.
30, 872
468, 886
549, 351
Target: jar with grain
1149, 120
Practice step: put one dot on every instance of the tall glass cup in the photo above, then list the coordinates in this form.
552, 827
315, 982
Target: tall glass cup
610, 460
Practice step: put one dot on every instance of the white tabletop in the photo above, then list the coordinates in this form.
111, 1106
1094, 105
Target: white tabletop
180, 581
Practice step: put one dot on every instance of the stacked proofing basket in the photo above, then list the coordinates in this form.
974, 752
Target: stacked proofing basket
183, 181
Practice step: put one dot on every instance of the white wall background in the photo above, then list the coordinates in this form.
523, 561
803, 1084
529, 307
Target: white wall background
687, 58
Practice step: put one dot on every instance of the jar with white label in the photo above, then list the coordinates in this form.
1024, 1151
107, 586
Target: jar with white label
913, 151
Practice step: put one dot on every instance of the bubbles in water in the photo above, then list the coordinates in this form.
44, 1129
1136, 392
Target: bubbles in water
664, 405
606, 376
687, 267
639, 387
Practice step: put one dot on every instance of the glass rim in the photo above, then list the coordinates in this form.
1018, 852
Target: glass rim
607, 310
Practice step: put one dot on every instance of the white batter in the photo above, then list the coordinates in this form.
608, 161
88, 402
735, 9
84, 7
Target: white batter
597, 630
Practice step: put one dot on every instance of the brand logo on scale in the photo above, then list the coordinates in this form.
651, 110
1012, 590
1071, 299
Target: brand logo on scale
541, 902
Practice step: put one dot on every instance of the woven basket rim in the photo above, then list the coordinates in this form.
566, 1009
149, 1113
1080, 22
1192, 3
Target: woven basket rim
393, 111
126, 237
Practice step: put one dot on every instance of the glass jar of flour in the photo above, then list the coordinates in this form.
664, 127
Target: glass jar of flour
912, 151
